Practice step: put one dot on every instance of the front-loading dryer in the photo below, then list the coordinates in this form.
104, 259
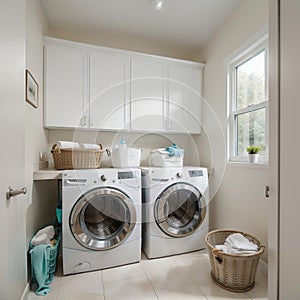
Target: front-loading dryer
101, 225
175, 210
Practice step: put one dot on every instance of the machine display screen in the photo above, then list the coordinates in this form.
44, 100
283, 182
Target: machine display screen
126, 175
196, 173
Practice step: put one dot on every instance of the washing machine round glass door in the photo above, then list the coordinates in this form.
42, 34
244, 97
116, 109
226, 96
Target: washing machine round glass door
180, 210
102, 218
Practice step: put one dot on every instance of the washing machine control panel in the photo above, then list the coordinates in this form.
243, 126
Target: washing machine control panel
196, 173
126, 175
123, 177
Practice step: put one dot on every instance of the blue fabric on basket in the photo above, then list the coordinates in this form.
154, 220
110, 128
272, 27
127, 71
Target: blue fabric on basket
39, 261
174, 151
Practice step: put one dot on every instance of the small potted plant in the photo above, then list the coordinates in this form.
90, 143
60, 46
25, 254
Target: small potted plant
253, 153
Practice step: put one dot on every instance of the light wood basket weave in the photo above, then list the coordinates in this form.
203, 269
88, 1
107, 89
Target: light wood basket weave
65, 159
233, 272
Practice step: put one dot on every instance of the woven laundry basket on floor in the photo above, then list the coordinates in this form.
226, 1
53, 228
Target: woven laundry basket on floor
233, 272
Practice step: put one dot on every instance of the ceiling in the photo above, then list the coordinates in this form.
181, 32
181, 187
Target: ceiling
182, 23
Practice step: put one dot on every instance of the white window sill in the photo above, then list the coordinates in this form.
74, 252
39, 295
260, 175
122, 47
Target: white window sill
245, 164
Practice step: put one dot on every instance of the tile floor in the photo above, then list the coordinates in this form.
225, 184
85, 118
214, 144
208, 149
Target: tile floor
182, 277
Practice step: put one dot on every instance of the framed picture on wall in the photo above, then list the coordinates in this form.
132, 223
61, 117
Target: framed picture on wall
32, 90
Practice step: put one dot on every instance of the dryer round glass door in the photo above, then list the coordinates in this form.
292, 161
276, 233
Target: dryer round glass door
180, 210
102, 218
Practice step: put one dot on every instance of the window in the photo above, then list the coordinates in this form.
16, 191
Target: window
248, 102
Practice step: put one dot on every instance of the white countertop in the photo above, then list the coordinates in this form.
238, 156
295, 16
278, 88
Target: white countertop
53, 174
47, 174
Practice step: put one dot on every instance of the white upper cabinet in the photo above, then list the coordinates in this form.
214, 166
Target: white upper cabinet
109, 90
95, 87
184, 85
165, 95
147, 95
66, 93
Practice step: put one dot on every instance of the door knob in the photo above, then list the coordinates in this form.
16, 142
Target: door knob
12, 193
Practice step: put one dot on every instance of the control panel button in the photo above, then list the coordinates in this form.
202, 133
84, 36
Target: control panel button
103, 177
179, 175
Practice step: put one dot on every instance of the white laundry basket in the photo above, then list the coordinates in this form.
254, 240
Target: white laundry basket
126, 157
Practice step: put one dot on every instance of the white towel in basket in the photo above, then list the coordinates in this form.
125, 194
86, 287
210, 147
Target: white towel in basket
43, 236
90, 146
239, 242
68, 145
236, 243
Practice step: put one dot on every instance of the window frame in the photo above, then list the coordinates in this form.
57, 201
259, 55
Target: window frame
241, 56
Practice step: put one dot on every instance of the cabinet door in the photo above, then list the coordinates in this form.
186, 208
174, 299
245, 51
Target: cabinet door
65, 87
147, 95
109, 90
184, 98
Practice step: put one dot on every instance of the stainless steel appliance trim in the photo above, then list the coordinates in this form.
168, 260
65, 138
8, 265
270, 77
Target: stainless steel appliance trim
162, 219
89, 240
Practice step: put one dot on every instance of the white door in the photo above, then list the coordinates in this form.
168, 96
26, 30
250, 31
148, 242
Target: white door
273, 152
13, 276
109, 90
289, 236
183, 93
147, 95
66, 87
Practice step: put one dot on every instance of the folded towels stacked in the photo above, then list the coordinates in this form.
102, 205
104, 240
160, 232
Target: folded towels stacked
74, 145
174, 151
236, 243
43, 236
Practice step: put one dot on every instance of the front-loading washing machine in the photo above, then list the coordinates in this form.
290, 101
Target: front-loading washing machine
175, 210
101, 224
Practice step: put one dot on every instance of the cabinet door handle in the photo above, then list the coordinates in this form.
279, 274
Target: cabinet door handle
166, 125
12, 193
83, 121
91, 122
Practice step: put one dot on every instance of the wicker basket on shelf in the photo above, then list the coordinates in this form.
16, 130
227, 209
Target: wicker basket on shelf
65, 159
233, 272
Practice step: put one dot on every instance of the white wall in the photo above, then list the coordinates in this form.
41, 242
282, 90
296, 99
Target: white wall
42, 195
239, 202
146, 142
120, 41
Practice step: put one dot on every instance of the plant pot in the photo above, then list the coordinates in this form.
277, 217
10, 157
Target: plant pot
253, 158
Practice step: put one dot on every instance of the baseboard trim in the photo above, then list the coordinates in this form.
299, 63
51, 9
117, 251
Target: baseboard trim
263, 267
26, 291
